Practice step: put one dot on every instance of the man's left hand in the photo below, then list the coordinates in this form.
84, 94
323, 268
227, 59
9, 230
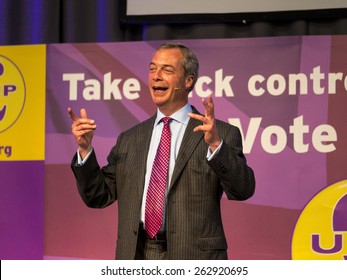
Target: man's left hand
208, 126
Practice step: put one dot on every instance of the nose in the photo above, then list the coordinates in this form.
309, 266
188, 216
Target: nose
339, 216
157, 75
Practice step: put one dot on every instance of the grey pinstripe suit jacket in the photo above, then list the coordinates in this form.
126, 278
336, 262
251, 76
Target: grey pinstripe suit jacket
193, 219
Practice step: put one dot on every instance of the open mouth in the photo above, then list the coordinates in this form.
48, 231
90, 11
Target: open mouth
159, 89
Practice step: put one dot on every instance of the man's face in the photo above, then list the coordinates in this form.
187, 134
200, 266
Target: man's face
166, 80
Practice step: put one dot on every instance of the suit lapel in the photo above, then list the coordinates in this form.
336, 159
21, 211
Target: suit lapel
142, 147
189, 142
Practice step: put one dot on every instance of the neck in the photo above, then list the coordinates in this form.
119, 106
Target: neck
170, 109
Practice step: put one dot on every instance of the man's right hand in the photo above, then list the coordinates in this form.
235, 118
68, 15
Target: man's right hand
83, 130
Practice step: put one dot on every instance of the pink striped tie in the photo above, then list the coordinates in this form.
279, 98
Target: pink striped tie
157, 183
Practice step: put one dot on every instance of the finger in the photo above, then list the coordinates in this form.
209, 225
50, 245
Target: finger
200, 128
205, 103
209, 106
72, 114
210, 101
83, 132
80, 120
83, 126
83, 113
84, 117
197, 117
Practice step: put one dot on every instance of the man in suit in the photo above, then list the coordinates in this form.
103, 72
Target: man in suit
205, 160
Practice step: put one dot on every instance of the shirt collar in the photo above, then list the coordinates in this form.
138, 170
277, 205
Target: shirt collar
180, 116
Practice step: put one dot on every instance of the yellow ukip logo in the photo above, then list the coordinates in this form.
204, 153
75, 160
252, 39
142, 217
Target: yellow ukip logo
12, 93
321, 231
22, 102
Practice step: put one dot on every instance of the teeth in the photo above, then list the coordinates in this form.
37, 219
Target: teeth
159, 89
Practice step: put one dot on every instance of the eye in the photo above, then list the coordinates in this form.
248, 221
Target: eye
152, 68
169, 70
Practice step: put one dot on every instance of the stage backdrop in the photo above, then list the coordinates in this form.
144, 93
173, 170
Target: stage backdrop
22, 136
287, 95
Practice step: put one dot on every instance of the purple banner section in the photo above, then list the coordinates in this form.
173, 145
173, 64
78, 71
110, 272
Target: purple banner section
227, 69
286, 94
21, 210
337, 110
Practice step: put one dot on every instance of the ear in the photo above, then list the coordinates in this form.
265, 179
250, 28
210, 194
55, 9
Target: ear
189, 81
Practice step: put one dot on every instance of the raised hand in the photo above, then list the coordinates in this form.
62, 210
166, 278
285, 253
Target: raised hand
208, 125
83, 130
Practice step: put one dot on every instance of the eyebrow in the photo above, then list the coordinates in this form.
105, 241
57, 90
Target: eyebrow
162, 65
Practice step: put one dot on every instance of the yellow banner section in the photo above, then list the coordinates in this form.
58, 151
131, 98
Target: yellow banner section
22, 102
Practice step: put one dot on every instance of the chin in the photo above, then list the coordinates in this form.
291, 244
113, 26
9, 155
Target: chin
158, 100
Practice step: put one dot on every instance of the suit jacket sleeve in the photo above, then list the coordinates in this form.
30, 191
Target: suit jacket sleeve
230, 165
96, 186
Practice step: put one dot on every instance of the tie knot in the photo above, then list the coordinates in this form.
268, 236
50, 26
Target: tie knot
166, 120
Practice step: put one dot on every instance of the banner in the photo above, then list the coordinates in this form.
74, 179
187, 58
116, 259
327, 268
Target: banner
286, 94
22, 138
